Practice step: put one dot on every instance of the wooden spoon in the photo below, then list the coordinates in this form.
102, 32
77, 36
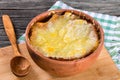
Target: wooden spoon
20, 66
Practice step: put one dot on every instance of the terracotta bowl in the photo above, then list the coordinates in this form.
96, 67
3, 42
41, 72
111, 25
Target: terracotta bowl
58, 67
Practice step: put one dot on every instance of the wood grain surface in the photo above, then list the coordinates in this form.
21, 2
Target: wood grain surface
22, 11
102, 69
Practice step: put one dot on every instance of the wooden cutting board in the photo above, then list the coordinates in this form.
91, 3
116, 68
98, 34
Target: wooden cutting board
102, 69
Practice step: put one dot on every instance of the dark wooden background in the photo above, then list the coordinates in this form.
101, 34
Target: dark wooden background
22, 11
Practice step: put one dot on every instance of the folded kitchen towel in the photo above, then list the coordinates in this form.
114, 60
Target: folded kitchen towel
110, 25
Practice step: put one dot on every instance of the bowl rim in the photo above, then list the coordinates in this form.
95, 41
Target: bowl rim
46, 13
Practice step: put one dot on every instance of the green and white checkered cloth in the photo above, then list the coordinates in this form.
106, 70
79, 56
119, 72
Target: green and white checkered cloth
110, 25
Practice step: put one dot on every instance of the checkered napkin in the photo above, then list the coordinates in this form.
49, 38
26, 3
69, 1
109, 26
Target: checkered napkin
110, 25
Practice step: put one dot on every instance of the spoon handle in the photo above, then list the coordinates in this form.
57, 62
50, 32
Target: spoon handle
10, 33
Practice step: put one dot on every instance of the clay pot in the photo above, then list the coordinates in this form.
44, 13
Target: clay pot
58, 67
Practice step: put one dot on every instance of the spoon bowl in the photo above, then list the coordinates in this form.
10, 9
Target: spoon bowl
20, 66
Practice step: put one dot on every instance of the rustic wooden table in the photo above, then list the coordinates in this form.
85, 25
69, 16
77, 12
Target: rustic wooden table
22, 11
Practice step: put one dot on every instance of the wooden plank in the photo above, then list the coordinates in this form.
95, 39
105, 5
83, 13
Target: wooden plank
103, 69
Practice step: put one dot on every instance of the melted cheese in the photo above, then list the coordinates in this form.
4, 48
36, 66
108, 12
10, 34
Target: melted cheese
64, 37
